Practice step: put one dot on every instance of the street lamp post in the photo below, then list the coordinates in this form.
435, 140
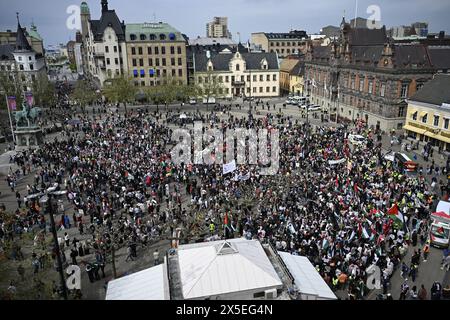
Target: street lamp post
47, 199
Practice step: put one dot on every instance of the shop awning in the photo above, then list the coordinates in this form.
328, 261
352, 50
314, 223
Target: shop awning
414, 129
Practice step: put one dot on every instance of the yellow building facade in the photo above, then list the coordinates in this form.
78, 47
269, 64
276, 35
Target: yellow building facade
428, 114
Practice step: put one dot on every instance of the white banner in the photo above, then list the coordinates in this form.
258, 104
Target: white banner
333, 162
229, 167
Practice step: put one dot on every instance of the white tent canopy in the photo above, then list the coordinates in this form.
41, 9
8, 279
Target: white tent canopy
149, 284
443, 206
234, 269
310, 284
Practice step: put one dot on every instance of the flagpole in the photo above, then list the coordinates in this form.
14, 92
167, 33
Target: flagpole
10, 119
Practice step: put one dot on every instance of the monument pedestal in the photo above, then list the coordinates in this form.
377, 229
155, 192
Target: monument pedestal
29, 138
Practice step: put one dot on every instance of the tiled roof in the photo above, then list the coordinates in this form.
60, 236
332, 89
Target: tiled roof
440, 57
155, 29
367, 37
435, 91
221, 60
108, 19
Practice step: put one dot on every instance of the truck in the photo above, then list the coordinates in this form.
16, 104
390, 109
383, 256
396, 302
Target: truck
440, 229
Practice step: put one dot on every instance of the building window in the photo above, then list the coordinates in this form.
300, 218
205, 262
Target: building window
242, 78
353, 83
254, 78
134, 63
116, 61
106, 49
401, 111
156, 50
172, 61
361, 84
143, 83
163, 61
383, 90
180, 61
261, 78
436, 121
150, 62
419, 86
141, 62
425, 118
133, 51
108, 62
404, 91
172, 50
414, 116
199, 79
163, 50
446, 122
268, 77
179, 50
274, 78
174, 72
238, 67
227, 91
274, 89
21, 67
267, 89
370, 86
115, 48
140, 50
31, 66
20, 58
254, 89
157, 62
180, 72
260, 89
227, 79
149, 50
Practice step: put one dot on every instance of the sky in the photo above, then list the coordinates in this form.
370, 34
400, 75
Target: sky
244, 16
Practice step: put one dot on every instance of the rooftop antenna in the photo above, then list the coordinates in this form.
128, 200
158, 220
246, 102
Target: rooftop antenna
17, 14
356, 13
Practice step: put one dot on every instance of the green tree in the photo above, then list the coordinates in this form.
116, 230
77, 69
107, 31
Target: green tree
209, 86
11, 85
44, 92
83, 94
120, 90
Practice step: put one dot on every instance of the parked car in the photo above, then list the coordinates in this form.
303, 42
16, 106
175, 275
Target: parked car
356, 139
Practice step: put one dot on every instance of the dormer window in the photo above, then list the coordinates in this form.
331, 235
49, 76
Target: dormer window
162, 36
132, 37
238, 67
152, 37
143, 37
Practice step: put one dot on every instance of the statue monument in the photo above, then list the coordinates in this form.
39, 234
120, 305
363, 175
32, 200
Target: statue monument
28, 133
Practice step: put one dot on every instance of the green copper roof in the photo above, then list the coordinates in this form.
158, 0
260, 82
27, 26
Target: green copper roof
152, 32
33, 32
84, 8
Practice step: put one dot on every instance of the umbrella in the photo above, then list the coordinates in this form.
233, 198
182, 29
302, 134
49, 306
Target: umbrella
183, 116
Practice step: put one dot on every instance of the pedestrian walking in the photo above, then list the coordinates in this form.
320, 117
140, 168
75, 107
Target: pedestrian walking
422, 293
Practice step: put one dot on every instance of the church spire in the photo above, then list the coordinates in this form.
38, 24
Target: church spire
21, 39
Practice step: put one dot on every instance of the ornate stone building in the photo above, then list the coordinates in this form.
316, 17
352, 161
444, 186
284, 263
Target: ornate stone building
365, 75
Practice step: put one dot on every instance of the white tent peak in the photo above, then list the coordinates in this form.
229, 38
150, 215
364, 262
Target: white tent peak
226, 248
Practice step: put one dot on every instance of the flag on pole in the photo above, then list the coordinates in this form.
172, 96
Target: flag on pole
395, 214
365, 233
12, 104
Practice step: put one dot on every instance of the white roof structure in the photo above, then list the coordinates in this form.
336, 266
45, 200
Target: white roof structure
149, 284
211, 41
443, 206
309, 283
225, 267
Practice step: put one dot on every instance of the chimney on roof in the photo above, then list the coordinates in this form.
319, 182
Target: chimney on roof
104, 6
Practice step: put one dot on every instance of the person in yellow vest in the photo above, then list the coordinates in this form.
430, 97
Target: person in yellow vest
335, 282
212, 227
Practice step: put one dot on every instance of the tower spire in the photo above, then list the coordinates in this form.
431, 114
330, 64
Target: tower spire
21, 39
104, 5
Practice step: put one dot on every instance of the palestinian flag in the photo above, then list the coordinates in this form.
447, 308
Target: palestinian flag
395, 214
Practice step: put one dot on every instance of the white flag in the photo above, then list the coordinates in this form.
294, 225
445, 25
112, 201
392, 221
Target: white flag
229, 167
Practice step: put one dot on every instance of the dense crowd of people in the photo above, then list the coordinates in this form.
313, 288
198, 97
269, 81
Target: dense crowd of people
329, 200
